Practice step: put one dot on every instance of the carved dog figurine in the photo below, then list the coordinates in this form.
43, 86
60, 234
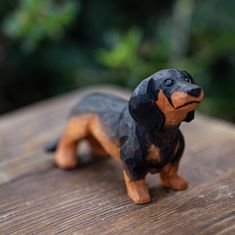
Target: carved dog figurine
143, 133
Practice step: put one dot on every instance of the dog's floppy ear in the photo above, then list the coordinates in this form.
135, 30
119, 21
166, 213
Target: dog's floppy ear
187, 75
190, 116
142, 105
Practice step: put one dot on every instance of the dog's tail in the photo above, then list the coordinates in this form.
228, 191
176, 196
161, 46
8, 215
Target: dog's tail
51, 147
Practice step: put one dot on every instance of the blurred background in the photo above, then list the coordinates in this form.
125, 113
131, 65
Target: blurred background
49, 47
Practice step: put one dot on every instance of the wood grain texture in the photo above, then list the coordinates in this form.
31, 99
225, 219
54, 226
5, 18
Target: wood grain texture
38, 198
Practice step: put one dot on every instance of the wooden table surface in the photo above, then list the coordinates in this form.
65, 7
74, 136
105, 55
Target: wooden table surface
38, 198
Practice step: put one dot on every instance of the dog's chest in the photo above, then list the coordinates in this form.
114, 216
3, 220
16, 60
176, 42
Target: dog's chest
153, 153
157, 157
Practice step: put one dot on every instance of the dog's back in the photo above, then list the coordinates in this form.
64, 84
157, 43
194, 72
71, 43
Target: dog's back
100, 103
111, 111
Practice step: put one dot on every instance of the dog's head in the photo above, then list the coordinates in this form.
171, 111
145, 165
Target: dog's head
167, 94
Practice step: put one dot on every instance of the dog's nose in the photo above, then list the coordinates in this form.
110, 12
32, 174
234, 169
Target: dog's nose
195, 91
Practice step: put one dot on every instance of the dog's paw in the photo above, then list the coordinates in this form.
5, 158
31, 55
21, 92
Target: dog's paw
66, 162
139, 195
140, 198
175, 183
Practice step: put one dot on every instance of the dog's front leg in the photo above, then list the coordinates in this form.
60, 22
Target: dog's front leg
137, 189
169, 174
171, 179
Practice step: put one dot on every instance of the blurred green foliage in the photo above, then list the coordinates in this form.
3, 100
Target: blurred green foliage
70, 44
35, 20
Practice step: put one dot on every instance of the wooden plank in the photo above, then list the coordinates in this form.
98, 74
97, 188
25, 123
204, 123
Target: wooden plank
56, 201
36, 197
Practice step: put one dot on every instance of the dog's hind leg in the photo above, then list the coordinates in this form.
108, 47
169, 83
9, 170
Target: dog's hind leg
76, 130
96, 147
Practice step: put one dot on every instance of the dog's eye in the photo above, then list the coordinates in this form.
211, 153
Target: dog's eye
169, 82
187, 80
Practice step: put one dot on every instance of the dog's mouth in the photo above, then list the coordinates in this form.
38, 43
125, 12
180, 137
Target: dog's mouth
184, 101
187, 104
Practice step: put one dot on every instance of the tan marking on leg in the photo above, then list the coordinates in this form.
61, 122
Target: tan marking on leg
98, 131
170, 178
75, 130
137, 190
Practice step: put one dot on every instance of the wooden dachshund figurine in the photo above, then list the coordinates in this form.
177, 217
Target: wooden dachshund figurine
142, 133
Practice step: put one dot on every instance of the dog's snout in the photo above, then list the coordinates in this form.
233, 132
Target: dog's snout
196, 91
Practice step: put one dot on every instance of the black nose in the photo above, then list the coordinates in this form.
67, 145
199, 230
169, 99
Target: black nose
194, 91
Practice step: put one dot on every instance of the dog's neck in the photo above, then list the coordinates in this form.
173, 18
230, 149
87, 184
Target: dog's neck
167, 133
